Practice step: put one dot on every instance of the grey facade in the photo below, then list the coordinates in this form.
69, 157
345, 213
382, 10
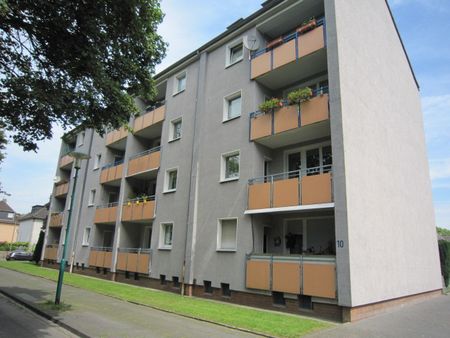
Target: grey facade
373, 128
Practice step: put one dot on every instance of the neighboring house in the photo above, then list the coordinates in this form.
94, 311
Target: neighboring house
8, 223
303, 206
30, 225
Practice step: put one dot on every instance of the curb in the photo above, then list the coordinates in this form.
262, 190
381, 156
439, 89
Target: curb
44, 314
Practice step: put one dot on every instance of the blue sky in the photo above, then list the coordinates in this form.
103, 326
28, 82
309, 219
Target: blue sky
423, 25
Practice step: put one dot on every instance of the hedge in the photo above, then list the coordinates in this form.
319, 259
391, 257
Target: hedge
444, 255
13, 246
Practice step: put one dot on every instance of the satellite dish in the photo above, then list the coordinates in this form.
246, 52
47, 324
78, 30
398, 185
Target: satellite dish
251, 42
57, 179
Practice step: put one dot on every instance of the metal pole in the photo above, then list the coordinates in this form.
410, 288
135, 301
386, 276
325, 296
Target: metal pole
62, 264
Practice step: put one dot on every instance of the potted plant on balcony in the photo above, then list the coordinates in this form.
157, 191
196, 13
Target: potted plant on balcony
270, 104
307, 25
300, 95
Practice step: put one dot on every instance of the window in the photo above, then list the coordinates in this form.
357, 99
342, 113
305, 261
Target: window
91, 198
165, 239
232, 106
97, 161
180, 83
235, 53
226, 292
230, 166
81, 138
170, 183
207, 286
86, 236
10, 215
226, 234
175, 130
175, 282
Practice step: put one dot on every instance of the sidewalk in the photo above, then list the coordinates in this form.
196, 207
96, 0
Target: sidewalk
94, 315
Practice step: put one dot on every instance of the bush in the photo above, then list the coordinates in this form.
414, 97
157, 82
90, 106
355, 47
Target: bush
444, 255
300, 95
13, 246
270, 104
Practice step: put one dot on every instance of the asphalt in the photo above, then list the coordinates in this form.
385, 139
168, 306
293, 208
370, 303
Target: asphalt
427, 319
94, 315
17, 321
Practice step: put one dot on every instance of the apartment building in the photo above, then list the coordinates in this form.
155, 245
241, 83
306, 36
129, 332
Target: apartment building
319, 200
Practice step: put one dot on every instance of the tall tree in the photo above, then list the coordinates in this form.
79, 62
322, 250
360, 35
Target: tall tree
76, 62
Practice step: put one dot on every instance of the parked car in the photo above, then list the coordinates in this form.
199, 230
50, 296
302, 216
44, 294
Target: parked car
19, 255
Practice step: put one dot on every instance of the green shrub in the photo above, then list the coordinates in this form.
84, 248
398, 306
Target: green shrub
13, 246
270, 104
300, 95
444, 255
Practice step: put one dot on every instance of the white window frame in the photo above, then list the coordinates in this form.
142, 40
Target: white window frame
226, 105
176, 80
229, 47
223, 160
91, 201
80, 138
10, 215
219, 234
162, 235
166, 180
172, 129
97, 161
302, 151
87, 230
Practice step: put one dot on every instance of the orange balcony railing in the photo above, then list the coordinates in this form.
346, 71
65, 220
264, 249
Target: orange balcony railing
100, 257
140, 209
144, 161
313, 186
51, 252
116, 136
111, 172
65, 162
106, 213
150, 118
290, 117
299, 275
56, 220
133, 260
61, 189
287, 49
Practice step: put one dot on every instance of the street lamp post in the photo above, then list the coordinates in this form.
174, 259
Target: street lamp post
78, 157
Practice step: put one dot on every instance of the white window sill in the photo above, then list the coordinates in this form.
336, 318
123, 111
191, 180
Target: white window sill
165, 248
95, 169
235, 62
175, 139
226, 250
85, 244
90, 205
169, 191
225, 180
231, 119
176, 93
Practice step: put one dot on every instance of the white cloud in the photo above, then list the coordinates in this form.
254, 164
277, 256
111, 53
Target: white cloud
440, 168
442, 211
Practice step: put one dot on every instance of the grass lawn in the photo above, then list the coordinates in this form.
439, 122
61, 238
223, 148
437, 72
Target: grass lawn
269, 323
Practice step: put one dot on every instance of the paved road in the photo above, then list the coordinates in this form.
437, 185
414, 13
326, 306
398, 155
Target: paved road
101, 316
427, 319
18, 322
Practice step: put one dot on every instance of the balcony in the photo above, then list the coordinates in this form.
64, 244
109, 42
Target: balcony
291, 57
300, 275
100, 257
291, 191
117, 138
111, 174
292, 124
56, 220
133, 260
106, 214
139, 210
65, 162
61, 189
51, 252
145, 164
149, 124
